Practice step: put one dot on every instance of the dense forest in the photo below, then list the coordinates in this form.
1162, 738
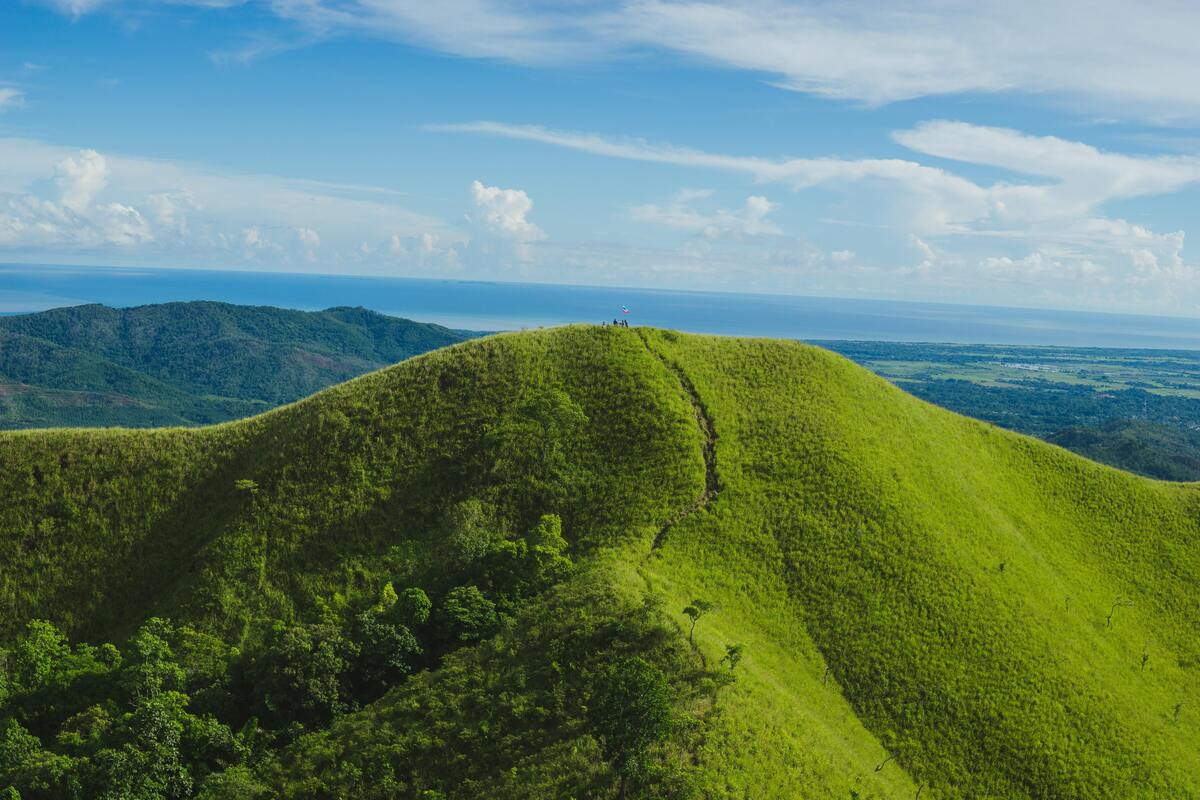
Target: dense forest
188, 363
593, 562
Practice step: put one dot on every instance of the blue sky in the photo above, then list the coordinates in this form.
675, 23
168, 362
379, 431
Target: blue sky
1019, 153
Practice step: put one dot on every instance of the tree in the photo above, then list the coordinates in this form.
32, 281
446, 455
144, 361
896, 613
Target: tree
387, 598
145, 760
151, 667
631, 712
38, 655
694, 611
385, 654
466, 614
412, 607
733, 656
467, 533
547, 552
298, 674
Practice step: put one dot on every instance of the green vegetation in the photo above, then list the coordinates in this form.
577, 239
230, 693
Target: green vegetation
594, 562
1167, 452
1134, 409
188, 363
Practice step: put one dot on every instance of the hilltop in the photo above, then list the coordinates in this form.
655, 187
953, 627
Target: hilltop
896, 601
188, 363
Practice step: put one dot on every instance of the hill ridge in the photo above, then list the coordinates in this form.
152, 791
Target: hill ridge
193, 362
951, 578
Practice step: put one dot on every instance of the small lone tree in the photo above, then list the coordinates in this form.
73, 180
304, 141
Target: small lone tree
1120, 602
733, 656
695, 610
631, 712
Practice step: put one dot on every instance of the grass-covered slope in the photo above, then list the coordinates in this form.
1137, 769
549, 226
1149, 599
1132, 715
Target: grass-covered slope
181, 363
926, 603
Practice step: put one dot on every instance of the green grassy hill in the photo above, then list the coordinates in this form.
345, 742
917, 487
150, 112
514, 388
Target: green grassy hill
188, 363
927, 605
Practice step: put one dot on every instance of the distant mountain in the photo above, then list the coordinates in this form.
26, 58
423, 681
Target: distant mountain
189, 363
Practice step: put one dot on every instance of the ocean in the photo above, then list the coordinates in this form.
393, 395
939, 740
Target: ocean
491, 306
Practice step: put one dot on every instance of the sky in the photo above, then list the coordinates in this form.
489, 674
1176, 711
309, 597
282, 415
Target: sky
1040, 154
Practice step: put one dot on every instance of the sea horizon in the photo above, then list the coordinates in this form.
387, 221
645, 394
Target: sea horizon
483, 305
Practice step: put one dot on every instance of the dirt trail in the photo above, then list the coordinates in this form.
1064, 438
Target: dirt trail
712, 483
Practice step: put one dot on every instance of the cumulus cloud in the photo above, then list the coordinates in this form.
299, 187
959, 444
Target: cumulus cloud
80, 178
502, 213
750, 220
56, 200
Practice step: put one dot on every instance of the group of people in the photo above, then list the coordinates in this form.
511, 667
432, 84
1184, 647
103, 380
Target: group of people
617, 323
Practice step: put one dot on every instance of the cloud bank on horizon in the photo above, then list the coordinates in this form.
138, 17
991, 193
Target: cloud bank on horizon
1015, 153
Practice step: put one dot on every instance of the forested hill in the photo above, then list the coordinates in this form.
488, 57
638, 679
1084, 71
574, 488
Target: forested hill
594, 563
188, 363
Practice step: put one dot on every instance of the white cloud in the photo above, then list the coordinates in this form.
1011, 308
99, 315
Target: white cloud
309, 242
80, 178
934, 201
1106, 54
11, 98
56, 200
976, 241
933, 189
750, 220
309, 238
842, 256
502, 213
428, 250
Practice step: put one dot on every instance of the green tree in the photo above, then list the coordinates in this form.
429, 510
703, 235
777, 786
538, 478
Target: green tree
466, 615
733, 656
631, 712
694, 611
298, 674
467, 533
548, 552
145, 761
385, 654
150, 667
38, 655
412, 607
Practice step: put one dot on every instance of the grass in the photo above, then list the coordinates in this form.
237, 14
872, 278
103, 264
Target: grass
923, 598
